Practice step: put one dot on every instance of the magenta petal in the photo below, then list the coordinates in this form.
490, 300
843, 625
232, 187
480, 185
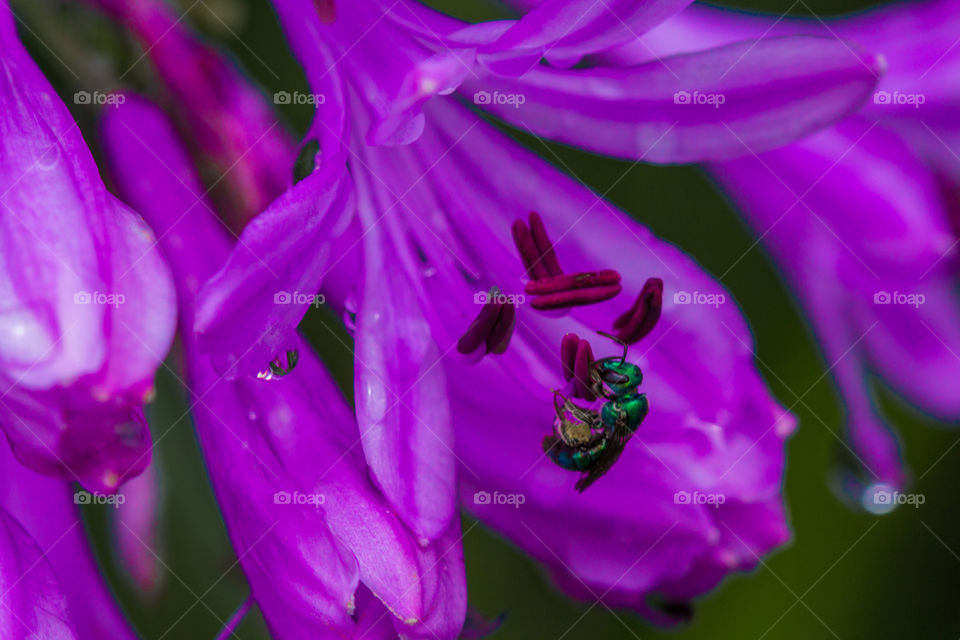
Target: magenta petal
88, 311
444, 585
249, 309
730, 101
916, 347
273, 537
894, 228
33, 604
272, 447
393, 73
566, 30
713, 426
224, 117
402, 409
136, 529
823, 241
872, 445
917, 40
60, 534
331, 122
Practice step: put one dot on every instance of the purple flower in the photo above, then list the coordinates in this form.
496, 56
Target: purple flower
694, 104
225, 118
52, 585
135, 525
88, 309
406, 243
864, 204
314, 536
33, 603
419, 54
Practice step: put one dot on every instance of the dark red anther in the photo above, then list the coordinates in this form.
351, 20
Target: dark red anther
581, 371
568, 354
575, 298
551, 288
536, 250
640, 319
544, 246
327, 10
577, 358
529, 253
571, 281
493, 327
502, 331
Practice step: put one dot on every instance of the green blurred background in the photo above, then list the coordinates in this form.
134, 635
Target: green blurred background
845, 575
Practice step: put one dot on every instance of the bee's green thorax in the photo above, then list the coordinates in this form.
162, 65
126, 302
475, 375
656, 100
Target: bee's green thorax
627, 411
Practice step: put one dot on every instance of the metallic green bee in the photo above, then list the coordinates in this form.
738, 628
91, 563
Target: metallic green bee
591, 441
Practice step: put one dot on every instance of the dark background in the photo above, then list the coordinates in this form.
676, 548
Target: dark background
846, 574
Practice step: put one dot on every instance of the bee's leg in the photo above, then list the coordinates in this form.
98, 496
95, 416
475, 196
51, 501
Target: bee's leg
562, 426
583, 415
577, 432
